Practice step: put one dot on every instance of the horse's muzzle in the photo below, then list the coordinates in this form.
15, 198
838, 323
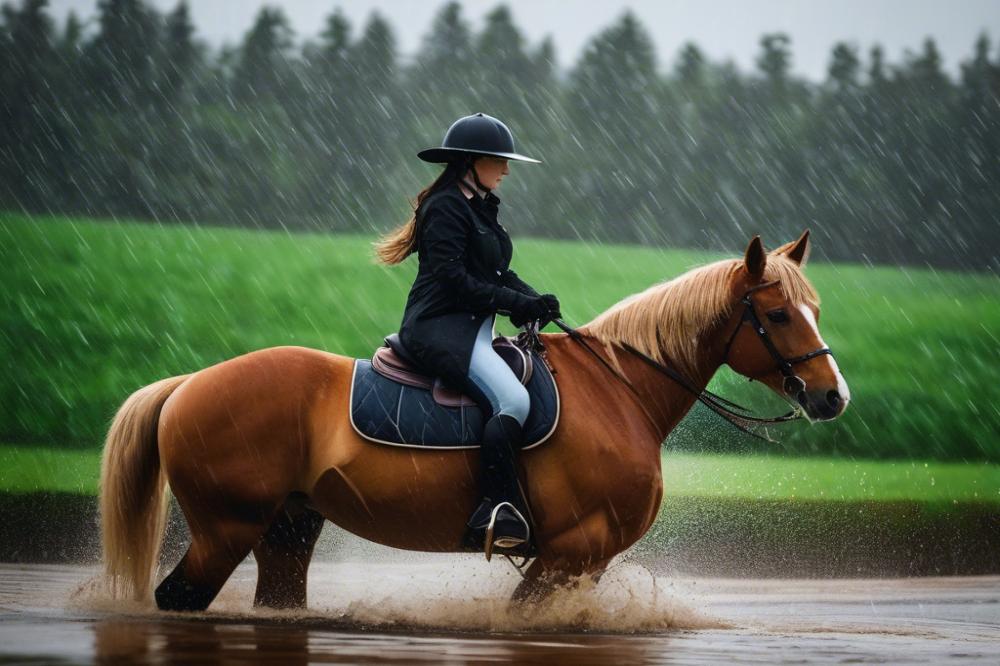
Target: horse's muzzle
822, 405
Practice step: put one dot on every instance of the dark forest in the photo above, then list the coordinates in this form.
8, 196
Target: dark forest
136, 117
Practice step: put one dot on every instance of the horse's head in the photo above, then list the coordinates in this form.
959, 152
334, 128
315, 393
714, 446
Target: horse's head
773, 333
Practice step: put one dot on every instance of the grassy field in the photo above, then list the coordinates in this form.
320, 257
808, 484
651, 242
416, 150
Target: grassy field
25, 469
93, 310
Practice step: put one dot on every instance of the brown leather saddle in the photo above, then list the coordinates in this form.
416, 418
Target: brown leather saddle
392, 361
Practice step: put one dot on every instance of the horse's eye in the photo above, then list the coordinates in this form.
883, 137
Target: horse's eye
778, 316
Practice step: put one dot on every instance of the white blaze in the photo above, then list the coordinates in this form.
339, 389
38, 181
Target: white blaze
845, 393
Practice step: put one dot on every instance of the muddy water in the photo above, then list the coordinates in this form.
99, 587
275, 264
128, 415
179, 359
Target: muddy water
452, 609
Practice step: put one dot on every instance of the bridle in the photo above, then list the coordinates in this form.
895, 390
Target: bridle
793, 385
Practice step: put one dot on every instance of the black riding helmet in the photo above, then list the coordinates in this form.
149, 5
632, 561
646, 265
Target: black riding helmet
478, 134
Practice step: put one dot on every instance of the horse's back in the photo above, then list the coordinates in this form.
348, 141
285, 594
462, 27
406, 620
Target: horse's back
249, 418
260, 379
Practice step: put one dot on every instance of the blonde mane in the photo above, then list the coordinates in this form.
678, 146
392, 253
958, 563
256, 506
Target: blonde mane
667, 320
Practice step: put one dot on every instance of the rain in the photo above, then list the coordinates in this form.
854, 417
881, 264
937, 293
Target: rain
171, 201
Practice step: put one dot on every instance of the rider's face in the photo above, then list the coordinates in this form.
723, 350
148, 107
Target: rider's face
491, 171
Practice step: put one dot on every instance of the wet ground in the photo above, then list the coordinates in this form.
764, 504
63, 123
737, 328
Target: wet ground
450, 609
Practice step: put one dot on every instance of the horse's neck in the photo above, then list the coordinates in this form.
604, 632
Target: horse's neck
662, 399
666, 401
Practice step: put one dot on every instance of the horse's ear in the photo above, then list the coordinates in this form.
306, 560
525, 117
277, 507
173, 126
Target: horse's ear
797, 251
755, 258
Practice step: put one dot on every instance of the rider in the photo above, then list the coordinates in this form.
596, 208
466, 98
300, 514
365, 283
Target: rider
463, 279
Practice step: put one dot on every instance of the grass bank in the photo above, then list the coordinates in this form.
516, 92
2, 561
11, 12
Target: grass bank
93, 310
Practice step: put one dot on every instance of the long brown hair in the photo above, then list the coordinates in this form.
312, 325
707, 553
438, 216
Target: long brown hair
396, 245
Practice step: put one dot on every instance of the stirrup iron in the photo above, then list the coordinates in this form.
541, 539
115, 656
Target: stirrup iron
505, 542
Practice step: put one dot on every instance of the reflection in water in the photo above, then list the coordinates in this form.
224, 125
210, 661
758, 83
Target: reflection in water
179, 641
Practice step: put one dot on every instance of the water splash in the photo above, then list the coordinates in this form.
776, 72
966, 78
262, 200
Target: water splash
449, 594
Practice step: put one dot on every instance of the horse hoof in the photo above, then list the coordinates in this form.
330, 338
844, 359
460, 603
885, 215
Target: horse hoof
176, 594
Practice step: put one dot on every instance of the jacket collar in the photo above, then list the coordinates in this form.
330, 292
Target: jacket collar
488, 204
488, 197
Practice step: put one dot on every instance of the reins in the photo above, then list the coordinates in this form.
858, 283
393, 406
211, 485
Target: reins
736, 415
532, 338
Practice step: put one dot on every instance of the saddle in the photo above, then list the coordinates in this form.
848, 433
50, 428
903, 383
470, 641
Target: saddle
395, 402
393, 362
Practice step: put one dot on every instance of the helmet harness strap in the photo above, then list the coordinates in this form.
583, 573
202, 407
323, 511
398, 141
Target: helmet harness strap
470, 165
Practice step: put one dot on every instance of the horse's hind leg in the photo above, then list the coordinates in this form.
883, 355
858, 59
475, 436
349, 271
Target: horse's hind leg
217, 547
284, 553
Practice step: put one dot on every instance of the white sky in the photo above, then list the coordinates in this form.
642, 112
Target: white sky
723, 28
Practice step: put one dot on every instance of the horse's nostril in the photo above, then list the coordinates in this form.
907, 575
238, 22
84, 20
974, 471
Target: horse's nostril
832, 398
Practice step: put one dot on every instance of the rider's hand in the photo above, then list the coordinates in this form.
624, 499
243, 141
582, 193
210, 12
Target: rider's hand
528, 308
553, 306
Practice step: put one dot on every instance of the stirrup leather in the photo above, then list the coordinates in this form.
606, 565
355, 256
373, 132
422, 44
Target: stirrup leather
504, 542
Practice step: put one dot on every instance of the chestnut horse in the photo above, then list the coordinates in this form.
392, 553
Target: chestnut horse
259, 450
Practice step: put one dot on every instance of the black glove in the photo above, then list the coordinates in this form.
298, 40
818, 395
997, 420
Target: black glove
553, 304
543, 308
528, 308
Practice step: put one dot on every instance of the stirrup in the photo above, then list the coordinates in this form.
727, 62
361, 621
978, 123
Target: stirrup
504, 542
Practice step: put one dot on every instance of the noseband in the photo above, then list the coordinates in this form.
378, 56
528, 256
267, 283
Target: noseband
792, 384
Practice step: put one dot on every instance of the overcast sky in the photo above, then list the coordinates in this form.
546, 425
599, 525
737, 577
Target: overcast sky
723, 28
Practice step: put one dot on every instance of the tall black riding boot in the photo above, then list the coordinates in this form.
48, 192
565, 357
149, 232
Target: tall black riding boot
501, 520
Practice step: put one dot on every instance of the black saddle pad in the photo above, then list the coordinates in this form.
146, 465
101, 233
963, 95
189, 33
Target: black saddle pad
387, 412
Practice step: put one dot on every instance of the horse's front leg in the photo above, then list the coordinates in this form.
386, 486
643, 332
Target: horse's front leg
583, 550
539, 582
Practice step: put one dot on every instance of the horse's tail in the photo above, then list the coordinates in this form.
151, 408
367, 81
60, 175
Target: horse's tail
133, 510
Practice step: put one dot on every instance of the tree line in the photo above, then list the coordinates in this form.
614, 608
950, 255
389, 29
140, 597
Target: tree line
137, 117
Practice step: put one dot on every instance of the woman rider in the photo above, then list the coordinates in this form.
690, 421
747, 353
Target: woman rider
463, 280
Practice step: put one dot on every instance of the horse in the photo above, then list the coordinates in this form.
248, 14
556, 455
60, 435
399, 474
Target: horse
259, 453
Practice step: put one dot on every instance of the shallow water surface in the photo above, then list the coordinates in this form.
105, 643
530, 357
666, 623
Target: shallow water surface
448, 609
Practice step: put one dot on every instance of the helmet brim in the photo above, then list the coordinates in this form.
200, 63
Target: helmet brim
441, 155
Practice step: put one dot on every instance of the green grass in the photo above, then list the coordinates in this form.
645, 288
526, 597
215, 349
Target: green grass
93, 310
25, 469
28, 469
773, 477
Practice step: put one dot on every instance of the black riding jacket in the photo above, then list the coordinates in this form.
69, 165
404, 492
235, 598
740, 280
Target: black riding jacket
463, 277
